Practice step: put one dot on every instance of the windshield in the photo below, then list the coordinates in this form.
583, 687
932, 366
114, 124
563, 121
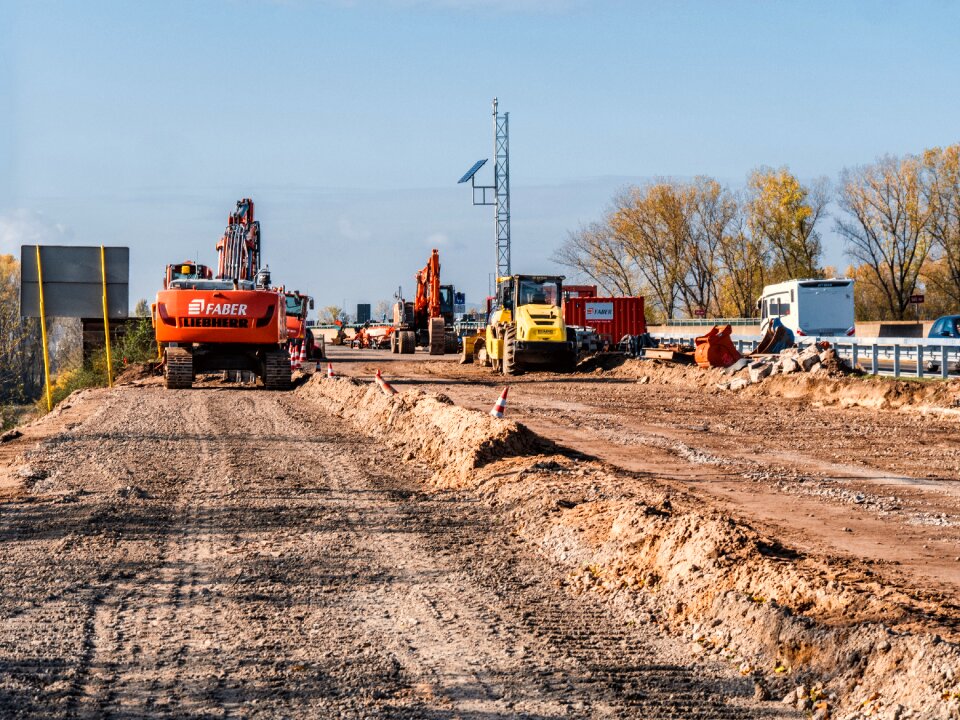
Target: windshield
446, 299
210, 285
295, 304
538, 293
185, 272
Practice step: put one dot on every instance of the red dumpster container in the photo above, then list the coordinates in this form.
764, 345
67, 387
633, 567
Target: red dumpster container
612, 317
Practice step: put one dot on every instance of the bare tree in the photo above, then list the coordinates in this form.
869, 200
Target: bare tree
886, 225
382, 309
595, 252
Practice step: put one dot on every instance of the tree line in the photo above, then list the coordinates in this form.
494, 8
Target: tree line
699, 248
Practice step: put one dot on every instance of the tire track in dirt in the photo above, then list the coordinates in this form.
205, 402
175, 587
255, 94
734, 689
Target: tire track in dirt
232, 553
584, 660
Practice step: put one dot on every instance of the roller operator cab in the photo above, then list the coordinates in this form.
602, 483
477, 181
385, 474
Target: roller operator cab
525, 328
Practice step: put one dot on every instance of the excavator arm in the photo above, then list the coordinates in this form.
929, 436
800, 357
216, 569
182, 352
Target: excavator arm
239, 248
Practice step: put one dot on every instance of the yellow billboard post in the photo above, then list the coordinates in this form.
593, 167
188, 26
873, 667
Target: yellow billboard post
106, 316
43, 333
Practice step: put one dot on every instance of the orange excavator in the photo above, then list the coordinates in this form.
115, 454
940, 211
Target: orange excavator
298, 306
232, 322
428, 320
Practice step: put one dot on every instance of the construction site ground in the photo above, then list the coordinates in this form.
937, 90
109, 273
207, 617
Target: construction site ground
852, 482
232, 552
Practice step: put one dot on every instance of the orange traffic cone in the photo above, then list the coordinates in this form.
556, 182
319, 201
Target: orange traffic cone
303, 354
387, 388
330, 373
293, 357
501, 405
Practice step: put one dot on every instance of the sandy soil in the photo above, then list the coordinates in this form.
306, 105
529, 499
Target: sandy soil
880, 487
225, 552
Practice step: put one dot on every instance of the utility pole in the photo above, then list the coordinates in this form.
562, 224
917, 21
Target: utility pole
500, 190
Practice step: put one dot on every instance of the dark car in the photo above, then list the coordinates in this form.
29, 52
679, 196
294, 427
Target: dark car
948, 327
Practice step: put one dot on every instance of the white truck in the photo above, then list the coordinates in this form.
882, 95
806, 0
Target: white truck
809, 307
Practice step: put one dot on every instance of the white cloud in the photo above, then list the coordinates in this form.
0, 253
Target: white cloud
438, 240
25, 227
351, 231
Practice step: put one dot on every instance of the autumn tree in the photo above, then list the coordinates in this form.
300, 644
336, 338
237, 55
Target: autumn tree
711, 210
941, 183
21, 351
331, 314
651, 224
785, 215
744, 259
594, 251
886, 226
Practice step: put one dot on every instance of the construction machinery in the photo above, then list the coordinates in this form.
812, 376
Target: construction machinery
428, 320
231, 322
298, 306
525, 328
187, 270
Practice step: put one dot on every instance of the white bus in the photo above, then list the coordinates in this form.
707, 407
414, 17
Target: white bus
809, 307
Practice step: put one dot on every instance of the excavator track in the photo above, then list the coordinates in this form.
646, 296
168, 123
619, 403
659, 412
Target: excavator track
178, 368
276, 373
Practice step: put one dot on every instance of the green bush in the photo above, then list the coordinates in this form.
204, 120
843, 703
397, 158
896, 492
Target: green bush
137, 345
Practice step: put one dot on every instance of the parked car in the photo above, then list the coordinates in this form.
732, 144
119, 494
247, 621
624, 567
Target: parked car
948, 327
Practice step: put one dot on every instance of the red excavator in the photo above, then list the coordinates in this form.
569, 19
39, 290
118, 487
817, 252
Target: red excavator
428, 320
232, 322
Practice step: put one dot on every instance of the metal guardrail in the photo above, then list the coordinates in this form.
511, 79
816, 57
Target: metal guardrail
705, 322
923, 353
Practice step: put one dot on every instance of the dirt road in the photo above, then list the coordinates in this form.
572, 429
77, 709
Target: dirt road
237, 553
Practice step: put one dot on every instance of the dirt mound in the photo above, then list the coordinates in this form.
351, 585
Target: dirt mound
834, 630
452, 440
824, 387
137, 372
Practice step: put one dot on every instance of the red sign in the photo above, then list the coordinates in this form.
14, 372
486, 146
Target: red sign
916, 299
700, 312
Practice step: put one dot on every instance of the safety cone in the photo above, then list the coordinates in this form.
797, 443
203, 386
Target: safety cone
293, 357
330, 372
387, 388
303, 354
501, 405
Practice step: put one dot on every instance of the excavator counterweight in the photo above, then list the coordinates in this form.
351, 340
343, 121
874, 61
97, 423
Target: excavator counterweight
232, 322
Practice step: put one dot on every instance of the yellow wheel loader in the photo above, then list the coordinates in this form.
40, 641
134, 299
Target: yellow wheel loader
525, 328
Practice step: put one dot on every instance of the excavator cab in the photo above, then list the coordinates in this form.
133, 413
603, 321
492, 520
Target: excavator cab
187, 270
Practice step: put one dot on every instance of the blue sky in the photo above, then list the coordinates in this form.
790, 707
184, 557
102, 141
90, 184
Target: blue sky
349, 122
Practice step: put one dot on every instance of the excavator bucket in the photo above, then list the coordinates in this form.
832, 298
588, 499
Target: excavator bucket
716, 349
776, 338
